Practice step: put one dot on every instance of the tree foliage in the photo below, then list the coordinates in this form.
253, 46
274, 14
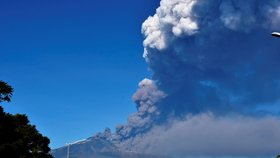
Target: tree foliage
6, 92
18, 138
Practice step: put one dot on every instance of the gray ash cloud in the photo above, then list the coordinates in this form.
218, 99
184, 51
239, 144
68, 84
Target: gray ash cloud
217, 69
215, 86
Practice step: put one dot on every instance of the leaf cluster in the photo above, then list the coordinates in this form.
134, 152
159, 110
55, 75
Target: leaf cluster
6, 92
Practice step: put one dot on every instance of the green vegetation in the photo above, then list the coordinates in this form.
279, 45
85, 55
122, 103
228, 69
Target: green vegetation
6, 92
18, 138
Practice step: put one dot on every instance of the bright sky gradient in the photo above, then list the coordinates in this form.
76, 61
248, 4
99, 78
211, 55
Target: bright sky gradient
74, 65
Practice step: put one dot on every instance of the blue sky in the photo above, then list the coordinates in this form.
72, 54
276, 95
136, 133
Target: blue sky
74, 65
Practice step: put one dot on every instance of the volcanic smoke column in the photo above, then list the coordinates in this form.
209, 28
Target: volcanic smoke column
214, 55
215, 88
216, 79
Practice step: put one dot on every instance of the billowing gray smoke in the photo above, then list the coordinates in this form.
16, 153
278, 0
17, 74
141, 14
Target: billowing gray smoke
216, 75
146, 99
214, 55
215, 88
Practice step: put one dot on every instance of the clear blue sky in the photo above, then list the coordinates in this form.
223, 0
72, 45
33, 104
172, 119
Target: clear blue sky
74, 64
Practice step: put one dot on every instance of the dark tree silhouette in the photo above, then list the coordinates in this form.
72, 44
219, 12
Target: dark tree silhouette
6, 92
18, 138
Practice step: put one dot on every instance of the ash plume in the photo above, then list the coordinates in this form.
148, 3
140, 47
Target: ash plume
214, 55
215, 83
216, 73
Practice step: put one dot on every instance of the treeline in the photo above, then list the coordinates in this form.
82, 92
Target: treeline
18, 138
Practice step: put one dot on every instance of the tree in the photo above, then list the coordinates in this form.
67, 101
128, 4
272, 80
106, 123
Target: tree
18, 138
6, 92
278, 156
